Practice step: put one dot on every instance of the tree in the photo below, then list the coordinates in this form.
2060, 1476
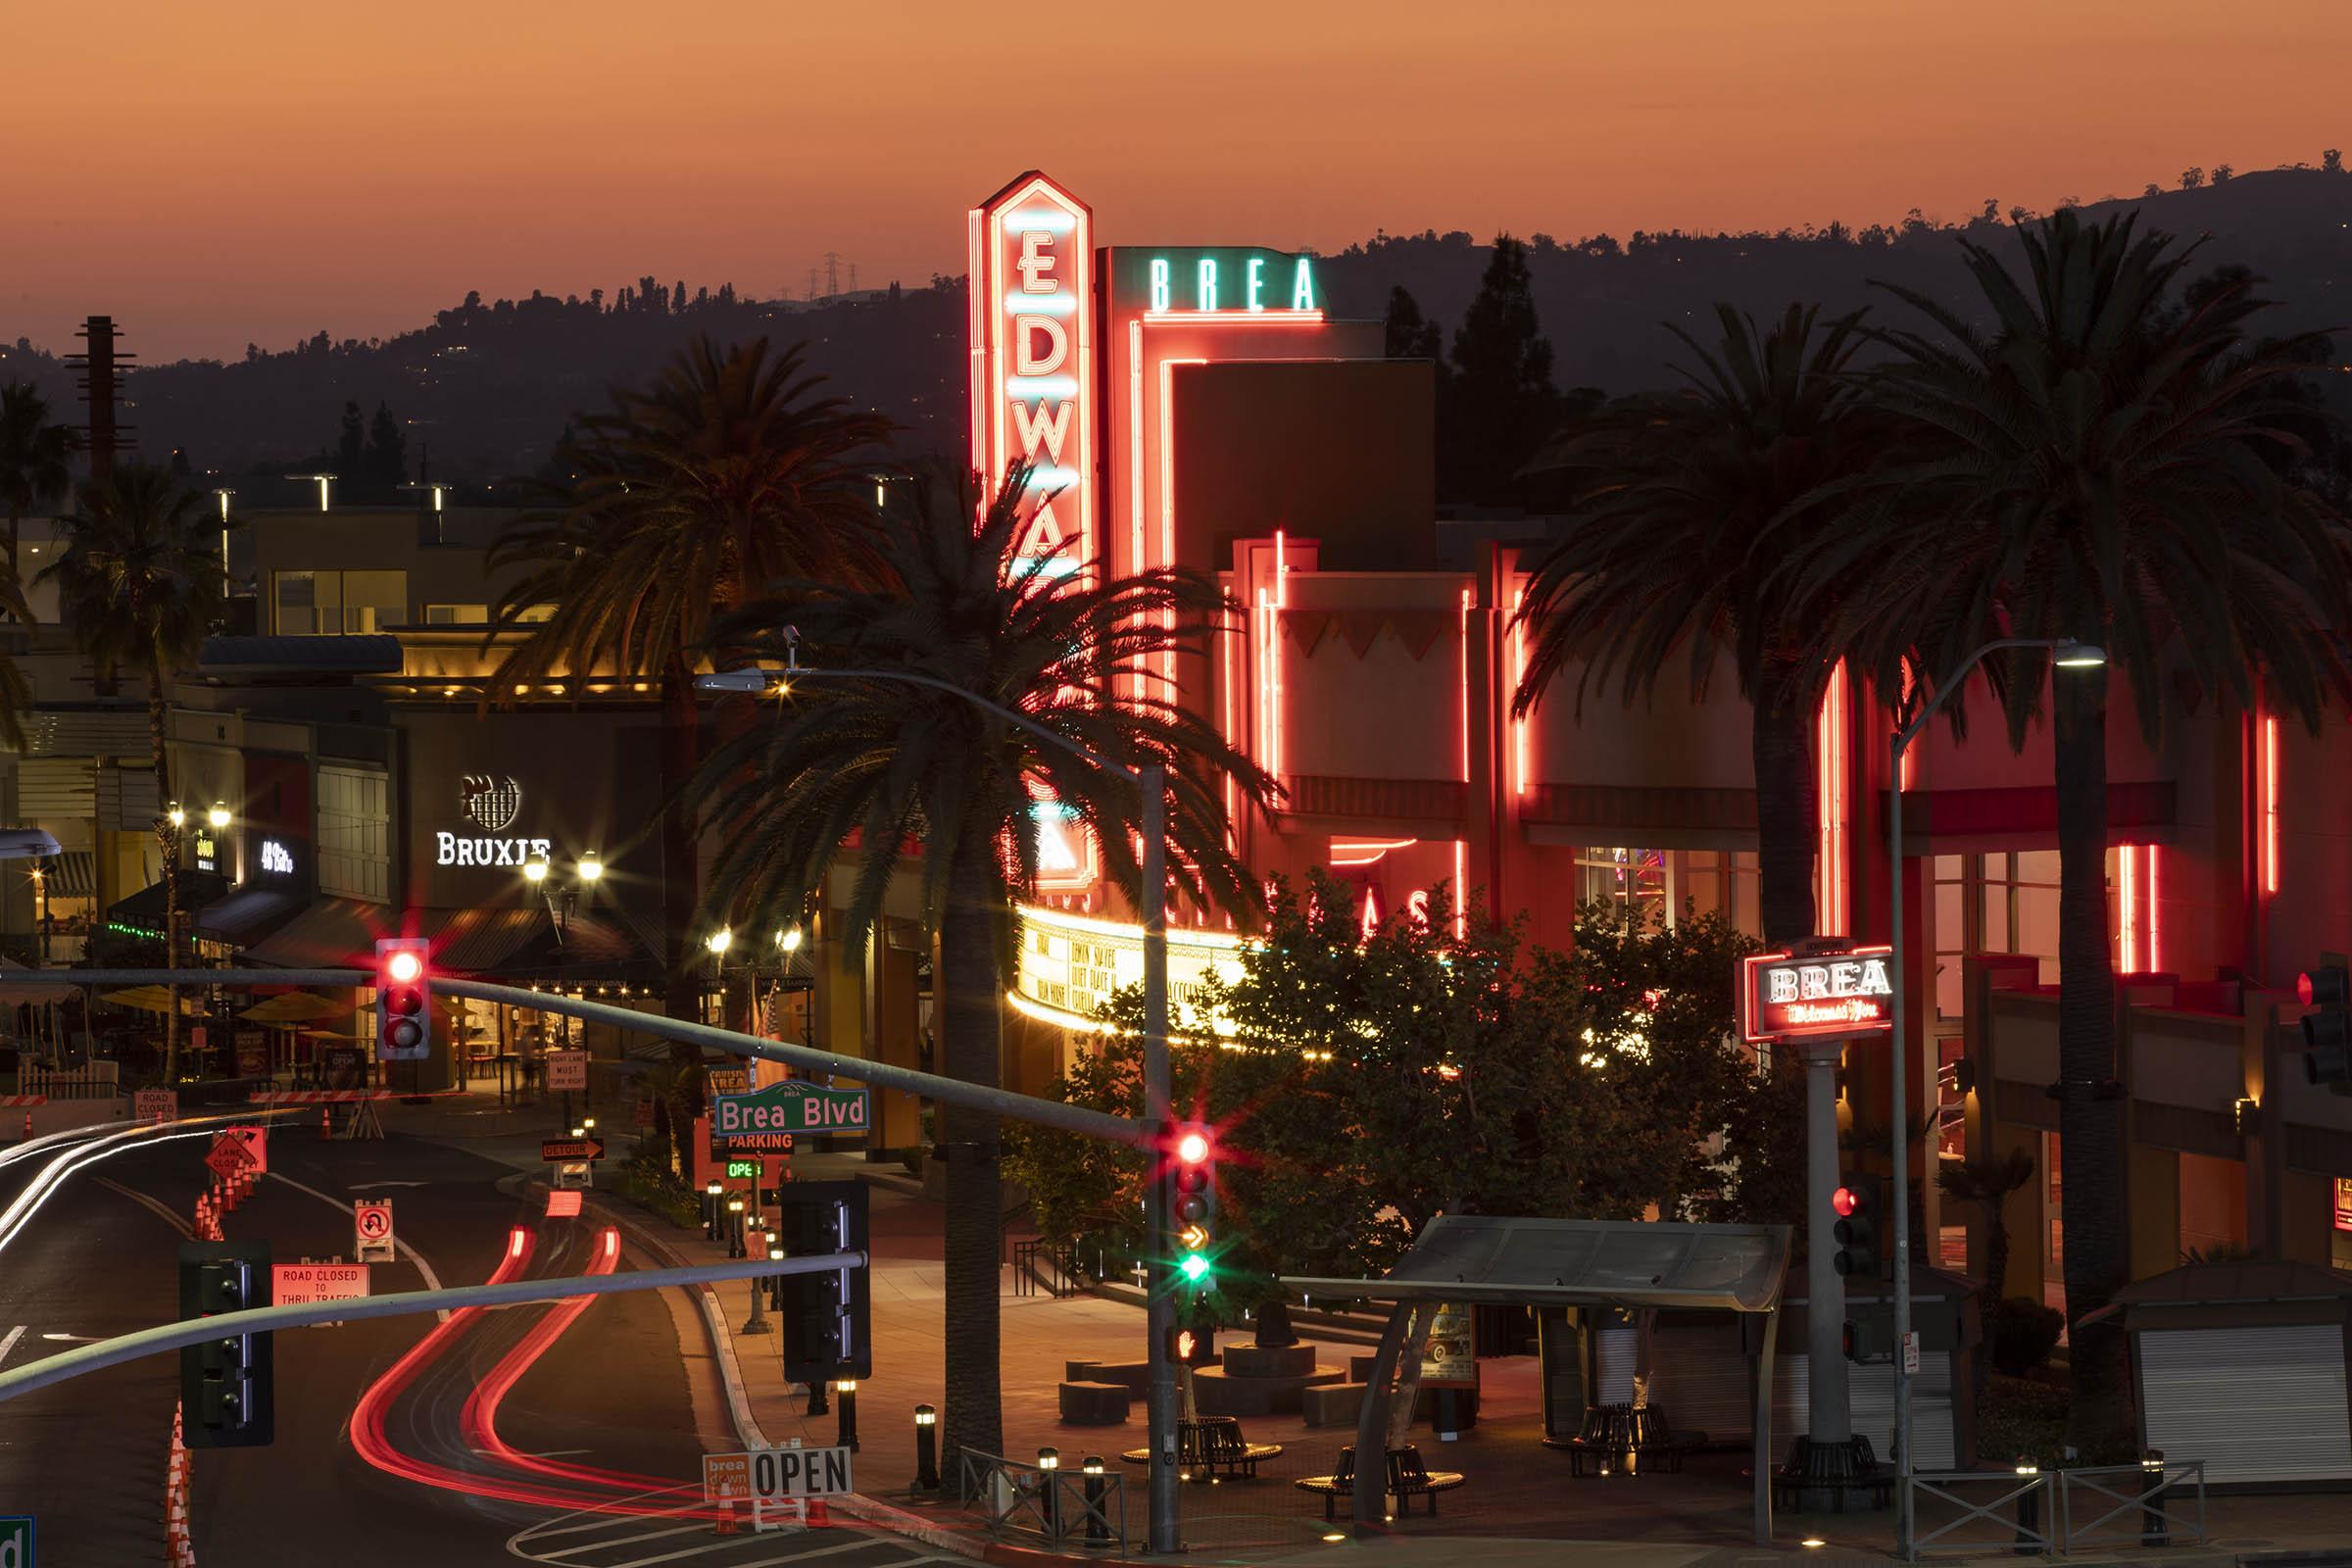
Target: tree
2153, 190
1502, 404
351, 448
2094, 466
387, 457
138, 587
1673, 498
2191, 177
33, 459
887, 767
2222, 174
1409, 337
1988, 1181
2331, 161
681, 503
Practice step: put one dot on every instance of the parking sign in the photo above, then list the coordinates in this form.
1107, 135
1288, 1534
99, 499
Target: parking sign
16, 1540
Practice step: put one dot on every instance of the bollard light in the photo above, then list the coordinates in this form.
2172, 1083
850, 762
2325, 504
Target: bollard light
1098, 1528
1048, 1463
775, 1282
847, 1392
926, 1448
2153, 1528
2029, 1510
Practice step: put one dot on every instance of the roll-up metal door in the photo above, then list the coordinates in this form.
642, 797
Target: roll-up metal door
2254, 1404
1699, 1374
1870, 1395
56, 787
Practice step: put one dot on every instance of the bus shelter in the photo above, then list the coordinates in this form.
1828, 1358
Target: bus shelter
1496, 1260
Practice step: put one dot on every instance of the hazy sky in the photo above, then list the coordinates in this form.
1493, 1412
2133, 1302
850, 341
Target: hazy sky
258, 170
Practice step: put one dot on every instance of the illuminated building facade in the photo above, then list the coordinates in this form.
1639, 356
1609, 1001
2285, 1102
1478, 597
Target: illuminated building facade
1203, 406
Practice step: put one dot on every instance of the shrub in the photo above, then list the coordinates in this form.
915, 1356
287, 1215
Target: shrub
2021, 1333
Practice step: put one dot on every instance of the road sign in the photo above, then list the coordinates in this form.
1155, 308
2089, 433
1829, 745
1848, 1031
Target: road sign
564, 1204
726, 1475
295, 1283
155, 1105
256, 1140
562, 1150
229, 1156
252, 1054
1911, 1355
567, 1069
372, 1222
16, 1540
773, 1475
727, 1080
765, 1121
1825, 988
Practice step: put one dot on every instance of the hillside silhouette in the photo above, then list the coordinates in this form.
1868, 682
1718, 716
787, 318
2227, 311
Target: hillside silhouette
487, 388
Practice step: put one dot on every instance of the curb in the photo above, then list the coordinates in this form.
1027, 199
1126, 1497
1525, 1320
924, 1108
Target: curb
857, 1505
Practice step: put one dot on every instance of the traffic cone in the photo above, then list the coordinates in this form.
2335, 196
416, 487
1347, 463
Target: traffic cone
327, 1122
726, 1510
815, 1512
29, 1126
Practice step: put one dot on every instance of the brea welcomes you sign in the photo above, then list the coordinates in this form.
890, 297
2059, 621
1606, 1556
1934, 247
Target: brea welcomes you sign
1785, 995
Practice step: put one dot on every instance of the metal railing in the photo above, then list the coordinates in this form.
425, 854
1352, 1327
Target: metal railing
1038, 1262
1046, 1503
2022, 1517
2146, 1505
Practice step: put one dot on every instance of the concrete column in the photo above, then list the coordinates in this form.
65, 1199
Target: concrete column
1829, 1409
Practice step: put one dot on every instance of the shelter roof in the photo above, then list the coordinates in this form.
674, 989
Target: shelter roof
1580, 1263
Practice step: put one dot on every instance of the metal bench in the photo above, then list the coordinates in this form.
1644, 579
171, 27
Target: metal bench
1213, 1449
1407, 1478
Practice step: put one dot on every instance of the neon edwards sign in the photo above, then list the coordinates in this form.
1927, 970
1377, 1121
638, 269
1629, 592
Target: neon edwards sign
1033, 360
1787, 996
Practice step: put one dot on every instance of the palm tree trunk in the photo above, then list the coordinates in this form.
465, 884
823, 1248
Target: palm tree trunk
2099, 1422
167, 837
681, 873
972, 1045
1780, 746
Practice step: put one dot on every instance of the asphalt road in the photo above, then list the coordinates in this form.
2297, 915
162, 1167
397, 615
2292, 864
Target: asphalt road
603, 1424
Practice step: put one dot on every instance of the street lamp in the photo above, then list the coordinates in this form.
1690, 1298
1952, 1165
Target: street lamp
589, 867
719, 941
177, 815
2067, 652
1152, 784
789, 939
218, 815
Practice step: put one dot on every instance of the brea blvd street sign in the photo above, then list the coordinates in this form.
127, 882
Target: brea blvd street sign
745, 1124
1829, 991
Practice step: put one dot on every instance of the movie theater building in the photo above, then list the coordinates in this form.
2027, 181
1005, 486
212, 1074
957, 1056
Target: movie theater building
1211, 406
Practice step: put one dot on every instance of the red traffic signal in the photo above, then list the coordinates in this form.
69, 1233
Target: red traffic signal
1844, 1201
403, 1019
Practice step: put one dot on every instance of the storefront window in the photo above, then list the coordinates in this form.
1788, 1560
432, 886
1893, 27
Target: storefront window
355, 830
1720, 882
1634, 881
327, 604
2053, 1225
1951, 931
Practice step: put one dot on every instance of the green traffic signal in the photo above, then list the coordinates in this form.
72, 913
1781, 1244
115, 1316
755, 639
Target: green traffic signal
1193, 1268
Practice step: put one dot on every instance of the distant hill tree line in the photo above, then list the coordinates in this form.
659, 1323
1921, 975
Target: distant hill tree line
486, 388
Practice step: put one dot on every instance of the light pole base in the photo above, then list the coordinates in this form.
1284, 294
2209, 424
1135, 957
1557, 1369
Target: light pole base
758, 1325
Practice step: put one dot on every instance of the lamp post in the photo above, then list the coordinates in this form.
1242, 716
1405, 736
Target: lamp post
735, 1227
2067, 654
1152, 784
561, 895
758, 1323
40, 894
711, 1195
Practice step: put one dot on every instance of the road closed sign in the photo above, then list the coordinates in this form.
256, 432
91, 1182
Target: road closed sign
293, 1284
155, 1105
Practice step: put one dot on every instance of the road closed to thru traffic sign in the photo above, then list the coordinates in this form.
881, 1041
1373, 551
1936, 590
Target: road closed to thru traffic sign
295, 1283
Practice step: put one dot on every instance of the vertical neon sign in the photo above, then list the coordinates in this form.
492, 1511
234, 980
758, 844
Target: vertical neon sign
1033, 372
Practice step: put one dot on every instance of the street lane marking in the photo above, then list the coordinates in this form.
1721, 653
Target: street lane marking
8, 1342
432, 1281
602, 1519
161, 1210
75, 1339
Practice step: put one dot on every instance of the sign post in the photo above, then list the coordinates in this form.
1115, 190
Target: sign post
1822, 995
371, 1224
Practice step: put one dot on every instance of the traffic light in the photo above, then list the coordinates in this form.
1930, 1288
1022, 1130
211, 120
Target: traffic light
1865, 1339
2328, 1027
827, 1316
1855, 1202
1192, 1204
404, 1008
225, 1395
1192, 1347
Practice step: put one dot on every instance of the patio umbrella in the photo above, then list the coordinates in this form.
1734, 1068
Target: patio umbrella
155, 999
295, 1006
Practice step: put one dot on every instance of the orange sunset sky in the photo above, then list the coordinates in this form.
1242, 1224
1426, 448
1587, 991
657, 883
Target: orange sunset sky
259, 170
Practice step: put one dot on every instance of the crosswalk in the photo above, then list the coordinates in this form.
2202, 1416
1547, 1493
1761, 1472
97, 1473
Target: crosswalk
591, 1539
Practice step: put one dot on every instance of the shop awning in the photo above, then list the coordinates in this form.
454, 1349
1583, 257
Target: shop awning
21, 984
73, 874
158, 998
1580, 1263
332, 934
480, 940
145, 907
296, 1006
248, 915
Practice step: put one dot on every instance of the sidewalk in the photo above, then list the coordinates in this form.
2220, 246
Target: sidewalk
1519, 1508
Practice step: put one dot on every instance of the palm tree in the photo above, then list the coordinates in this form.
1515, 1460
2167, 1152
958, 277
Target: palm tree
859, 774
32, 457
1988, 1180
138, 587
680, 504
2097, 463
1677, 498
